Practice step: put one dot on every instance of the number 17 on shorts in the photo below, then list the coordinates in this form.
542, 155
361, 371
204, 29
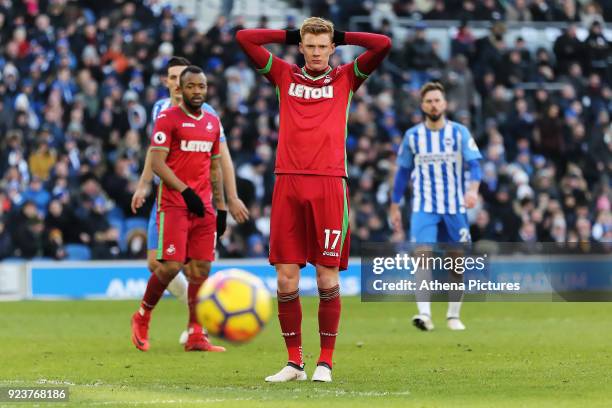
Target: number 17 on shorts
331, 237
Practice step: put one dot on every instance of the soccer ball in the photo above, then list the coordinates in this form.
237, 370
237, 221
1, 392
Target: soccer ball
234, 305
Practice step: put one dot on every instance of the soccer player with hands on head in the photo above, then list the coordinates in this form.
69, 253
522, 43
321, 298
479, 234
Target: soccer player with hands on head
309, 221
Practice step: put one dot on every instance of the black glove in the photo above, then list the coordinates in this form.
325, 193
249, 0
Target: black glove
339, 37
221, 222
292, 37
193, 201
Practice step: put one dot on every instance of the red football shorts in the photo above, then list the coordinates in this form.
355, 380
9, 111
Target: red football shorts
184, 236
310, 221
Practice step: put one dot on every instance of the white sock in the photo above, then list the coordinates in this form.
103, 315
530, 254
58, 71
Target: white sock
178, 287
424, 308
453, 309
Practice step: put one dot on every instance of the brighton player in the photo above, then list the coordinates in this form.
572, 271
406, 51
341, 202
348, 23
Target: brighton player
432, 156
309, 221
185, 155
178, 286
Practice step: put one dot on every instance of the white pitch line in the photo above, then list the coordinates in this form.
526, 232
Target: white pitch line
259, 389
160, 402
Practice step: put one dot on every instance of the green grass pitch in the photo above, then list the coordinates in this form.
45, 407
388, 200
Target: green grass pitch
512, 355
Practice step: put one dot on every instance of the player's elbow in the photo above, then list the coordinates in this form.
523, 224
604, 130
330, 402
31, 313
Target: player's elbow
156, 166
475, 170
385, 44
241, 36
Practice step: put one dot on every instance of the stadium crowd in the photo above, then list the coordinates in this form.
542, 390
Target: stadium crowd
78, 81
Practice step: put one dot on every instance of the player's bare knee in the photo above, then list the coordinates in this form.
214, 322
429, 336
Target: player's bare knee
152, 262
288, 278
327, 277
168, 270
152, 265
287, 283
197, 270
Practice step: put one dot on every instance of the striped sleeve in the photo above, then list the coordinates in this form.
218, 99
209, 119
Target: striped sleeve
212, 111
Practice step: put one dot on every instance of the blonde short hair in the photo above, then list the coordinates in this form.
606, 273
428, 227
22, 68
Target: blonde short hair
317, 25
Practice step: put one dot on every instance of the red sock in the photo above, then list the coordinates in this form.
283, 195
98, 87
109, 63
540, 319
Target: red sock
192, 298
154, 292
329, 318
290, 317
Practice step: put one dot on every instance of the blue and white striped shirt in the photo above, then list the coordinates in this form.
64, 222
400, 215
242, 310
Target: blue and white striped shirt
438, 181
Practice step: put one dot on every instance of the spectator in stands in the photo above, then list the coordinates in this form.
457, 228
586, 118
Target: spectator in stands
459, 84
420, 57
105, 238
6, 241
489, 10
136, 244
27, 231
438, 12
513, 69
545, 10
550, 136
464, 41
591, 12
42, 160
54, 245
490, 50
568, 49
118, 184
597, 51
406, 8
37, 194
482, 229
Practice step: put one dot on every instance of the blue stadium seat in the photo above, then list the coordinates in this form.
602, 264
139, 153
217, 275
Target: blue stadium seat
115, 213
117, 223
133, 223
78, 252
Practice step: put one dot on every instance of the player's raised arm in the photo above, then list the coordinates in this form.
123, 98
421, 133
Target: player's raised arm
377, 47
252, 41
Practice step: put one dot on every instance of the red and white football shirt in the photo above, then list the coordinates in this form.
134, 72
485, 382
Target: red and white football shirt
313, 117
191, 142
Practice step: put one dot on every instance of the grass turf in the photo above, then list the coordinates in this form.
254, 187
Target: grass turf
513, 354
